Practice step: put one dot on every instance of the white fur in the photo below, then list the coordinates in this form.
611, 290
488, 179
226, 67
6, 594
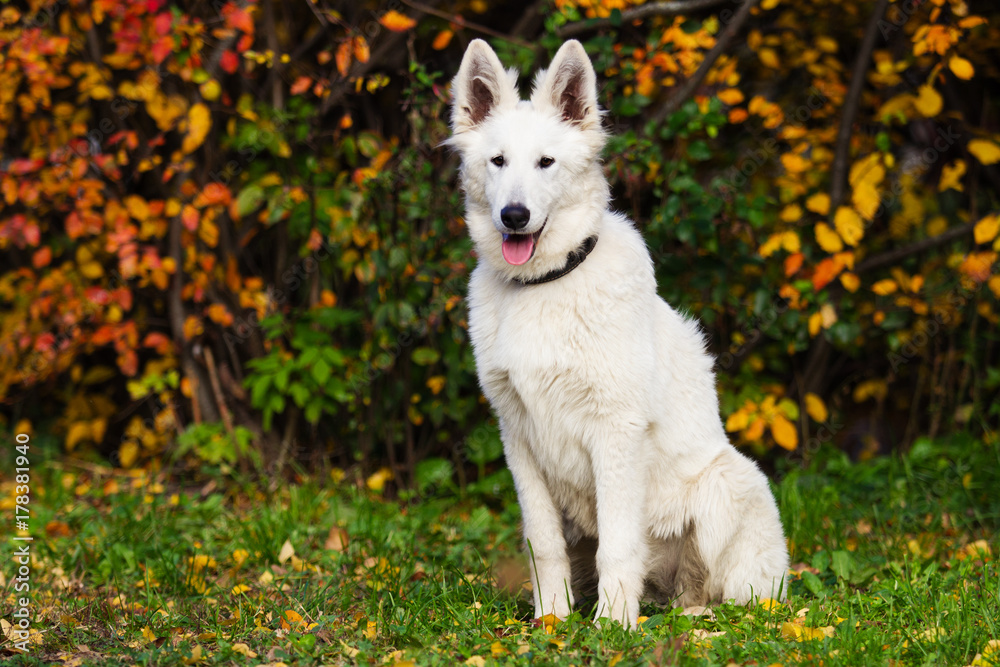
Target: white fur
606, 395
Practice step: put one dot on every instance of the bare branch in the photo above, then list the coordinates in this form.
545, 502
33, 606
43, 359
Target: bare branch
838, 173
459, 21
664, 8
686, 90
896, 254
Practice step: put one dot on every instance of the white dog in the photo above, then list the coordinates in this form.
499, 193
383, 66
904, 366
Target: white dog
606, 395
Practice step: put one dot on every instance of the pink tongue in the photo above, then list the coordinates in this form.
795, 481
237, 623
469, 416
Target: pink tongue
517, 248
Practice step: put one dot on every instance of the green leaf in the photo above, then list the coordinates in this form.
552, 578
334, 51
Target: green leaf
321, 371
424, 356
841, 564
812, 582
249, 199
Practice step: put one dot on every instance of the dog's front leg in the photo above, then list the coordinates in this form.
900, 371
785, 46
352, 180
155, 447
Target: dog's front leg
620, 479
545, 544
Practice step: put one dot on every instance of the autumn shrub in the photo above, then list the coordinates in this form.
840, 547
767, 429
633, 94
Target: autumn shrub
229, 232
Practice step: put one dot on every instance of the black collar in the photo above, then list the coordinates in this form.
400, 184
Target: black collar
573, 260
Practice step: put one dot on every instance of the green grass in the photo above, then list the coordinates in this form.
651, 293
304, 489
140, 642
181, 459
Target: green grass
162, 574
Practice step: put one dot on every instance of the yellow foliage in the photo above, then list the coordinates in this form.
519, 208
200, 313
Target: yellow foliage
784, 432
986, 229
849, 225
199, 122
850, 281
876, 389
928, 101
985, 150
816, 408
885, 287
819, 203
951, 176
961, 67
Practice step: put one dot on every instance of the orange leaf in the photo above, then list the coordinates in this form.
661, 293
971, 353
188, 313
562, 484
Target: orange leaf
442, 40
301, 85
343, 58
42, 257
396, 22
825, 271
793, 263
189, 217
361, 51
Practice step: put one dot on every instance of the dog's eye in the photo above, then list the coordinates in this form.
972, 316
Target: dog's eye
498, 160
546, 161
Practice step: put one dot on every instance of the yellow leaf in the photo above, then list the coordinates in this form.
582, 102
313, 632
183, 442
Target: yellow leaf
885, 287
815, 323
436, 384
738, 421
794, 163
770, 604
816, 408
730, 96
951, 176
476, 661
849, 225
928, 101
243, 649
987, 229
148, 634
961, 67
769, 4
985, 150
376, 482
819, 203
850, 281
77, 431
868, 169
784, 432
827, 238
826, 44
865, 198
790, 241
128, 453
199, 122
876, 389
396, 22
791, 213
769, 58
771, 245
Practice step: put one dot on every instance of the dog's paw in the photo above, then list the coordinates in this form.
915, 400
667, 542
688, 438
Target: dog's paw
626, 614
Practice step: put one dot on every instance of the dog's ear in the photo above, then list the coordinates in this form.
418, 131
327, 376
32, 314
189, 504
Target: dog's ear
570, 86
480, 86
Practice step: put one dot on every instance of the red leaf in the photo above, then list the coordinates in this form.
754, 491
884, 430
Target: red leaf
229, 62
163, 23
103, 335
157, 341
97, 295
162, 48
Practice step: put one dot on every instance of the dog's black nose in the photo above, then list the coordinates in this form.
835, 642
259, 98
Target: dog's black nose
515, 216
